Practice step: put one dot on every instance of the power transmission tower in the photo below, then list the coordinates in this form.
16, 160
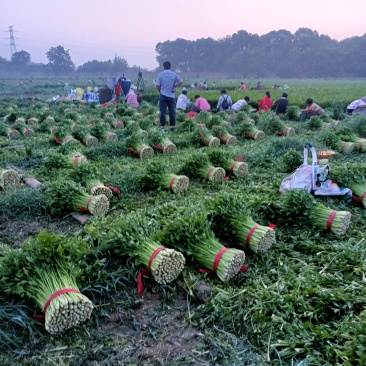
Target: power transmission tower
13, 47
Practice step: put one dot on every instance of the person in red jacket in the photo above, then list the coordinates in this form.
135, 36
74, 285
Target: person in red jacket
265, 103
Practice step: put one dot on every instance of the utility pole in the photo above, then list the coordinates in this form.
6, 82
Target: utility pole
13, 47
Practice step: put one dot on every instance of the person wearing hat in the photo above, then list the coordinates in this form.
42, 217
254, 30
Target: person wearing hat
131, 97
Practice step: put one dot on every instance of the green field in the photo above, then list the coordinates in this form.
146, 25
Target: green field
299, 303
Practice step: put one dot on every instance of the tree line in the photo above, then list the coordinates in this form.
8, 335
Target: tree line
304, 54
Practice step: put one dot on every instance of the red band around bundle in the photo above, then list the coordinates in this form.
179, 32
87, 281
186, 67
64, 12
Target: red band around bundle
239, 157
94, 185
146, 272
251, 233
142, 147
171, 183
209, 172
58, 293
360, 149
56, 140
76, 160
330, 219
86, 209
249, 135
233, 166
218, 257
343, 147
133, 151
113, 189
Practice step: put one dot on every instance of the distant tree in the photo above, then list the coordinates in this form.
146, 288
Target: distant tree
96, 66
120, 65
20, 60
60, 59
4, 64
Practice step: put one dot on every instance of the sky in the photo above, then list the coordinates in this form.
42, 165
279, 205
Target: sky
92, 29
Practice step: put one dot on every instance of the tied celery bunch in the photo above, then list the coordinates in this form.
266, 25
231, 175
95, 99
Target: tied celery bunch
89, 178
352, 176
224, 159
300, 204
192, 234
139, 147
82, 134
222, 133
132, 236
5, 130
8, 178
132, 127
201, 135
55, 160
156, 175
100, 131
64, 196
198, 165
161, 142
246, 128
231, 218
65, 311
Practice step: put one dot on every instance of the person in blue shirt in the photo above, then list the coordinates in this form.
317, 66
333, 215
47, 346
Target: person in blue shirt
167, 82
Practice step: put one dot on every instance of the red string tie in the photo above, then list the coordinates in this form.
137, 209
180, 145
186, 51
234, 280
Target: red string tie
58, 293
146, 272
254, 228
330, 219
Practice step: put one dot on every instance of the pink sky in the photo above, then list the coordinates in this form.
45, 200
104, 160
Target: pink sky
131, 29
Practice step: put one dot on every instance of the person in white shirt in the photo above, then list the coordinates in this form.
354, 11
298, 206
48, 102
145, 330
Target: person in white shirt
240, 103
357, 107
183, 101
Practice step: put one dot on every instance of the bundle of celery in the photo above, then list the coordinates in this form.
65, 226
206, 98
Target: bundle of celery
204, 137
89, 178
156, 175
5, 130
361, 145
223, 158
198, 165
225, 137
21, 127
203, 117
316, 123
352, 176
231, 218
32, 121
147, 122
133, 128
100, 131
193, 235
57, 294
302, 205
82, 134
40, 270
293, 113
248, 129
63, 196
131, 236
330, 139
8, 178
161, 142
55, 160
138, 147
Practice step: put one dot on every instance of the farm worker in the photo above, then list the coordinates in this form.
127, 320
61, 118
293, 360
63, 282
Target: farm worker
265, 103
243, 86
201, 104
224, 102
167, 82
240, 103
193, 86
280, 105
312, 109
357, 107
131, 97
259, 86
183, 101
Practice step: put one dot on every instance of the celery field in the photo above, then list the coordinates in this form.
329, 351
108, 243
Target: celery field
121, 244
